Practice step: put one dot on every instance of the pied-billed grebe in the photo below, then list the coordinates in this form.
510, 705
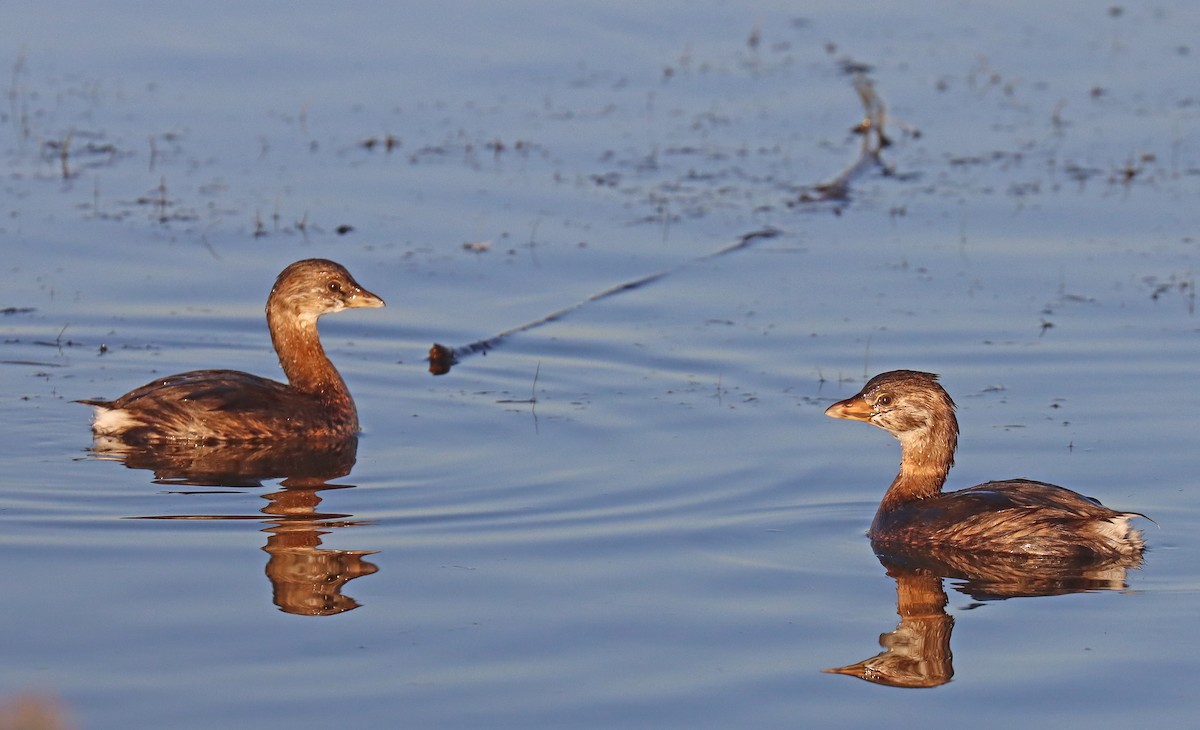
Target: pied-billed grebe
1016, 516
213, 406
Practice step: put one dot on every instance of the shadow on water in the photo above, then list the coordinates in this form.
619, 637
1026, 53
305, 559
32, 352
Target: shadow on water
306, 579
917, 652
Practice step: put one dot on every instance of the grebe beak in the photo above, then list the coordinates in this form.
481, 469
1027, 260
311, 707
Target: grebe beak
853, 408
362, 298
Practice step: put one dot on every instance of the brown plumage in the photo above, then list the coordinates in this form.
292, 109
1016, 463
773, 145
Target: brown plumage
1016, 516
219, 406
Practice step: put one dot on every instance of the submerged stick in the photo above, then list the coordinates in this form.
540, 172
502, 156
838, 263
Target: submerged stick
442, 357
872, 128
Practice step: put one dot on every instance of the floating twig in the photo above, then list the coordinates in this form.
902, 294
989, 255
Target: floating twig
64, 155
532, 399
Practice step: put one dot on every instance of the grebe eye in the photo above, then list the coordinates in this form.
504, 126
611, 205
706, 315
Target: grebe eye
335, 287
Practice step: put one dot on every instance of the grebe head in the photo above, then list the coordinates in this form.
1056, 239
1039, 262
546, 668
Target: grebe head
908, 404
313, 287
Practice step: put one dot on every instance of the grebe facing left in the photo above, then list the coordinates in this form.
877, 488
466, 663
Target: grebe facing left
1016, 516
215, 406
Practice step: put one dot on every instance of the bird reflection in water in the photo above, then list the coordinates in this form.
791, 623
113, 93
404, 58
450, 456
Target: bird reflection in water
306, 579
917, 652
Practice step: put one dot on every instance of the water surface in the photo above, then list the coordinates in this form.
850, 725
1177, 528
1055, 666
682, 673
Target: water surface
635, 515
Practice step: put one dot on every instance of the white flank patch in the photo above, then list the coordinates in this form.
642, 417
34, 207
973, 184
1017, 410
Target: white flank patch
112, 422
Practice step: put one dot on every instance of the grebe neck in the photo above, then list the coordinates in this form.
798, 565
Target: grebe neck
926, 456
301, 355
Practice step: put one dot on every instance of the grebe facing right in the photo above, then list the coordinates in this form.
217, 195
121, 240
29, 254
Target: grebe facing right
229, 406
1016, 516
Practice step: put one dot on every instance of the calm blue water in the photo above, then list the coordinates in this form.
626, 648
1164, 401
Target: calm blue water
671, 534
